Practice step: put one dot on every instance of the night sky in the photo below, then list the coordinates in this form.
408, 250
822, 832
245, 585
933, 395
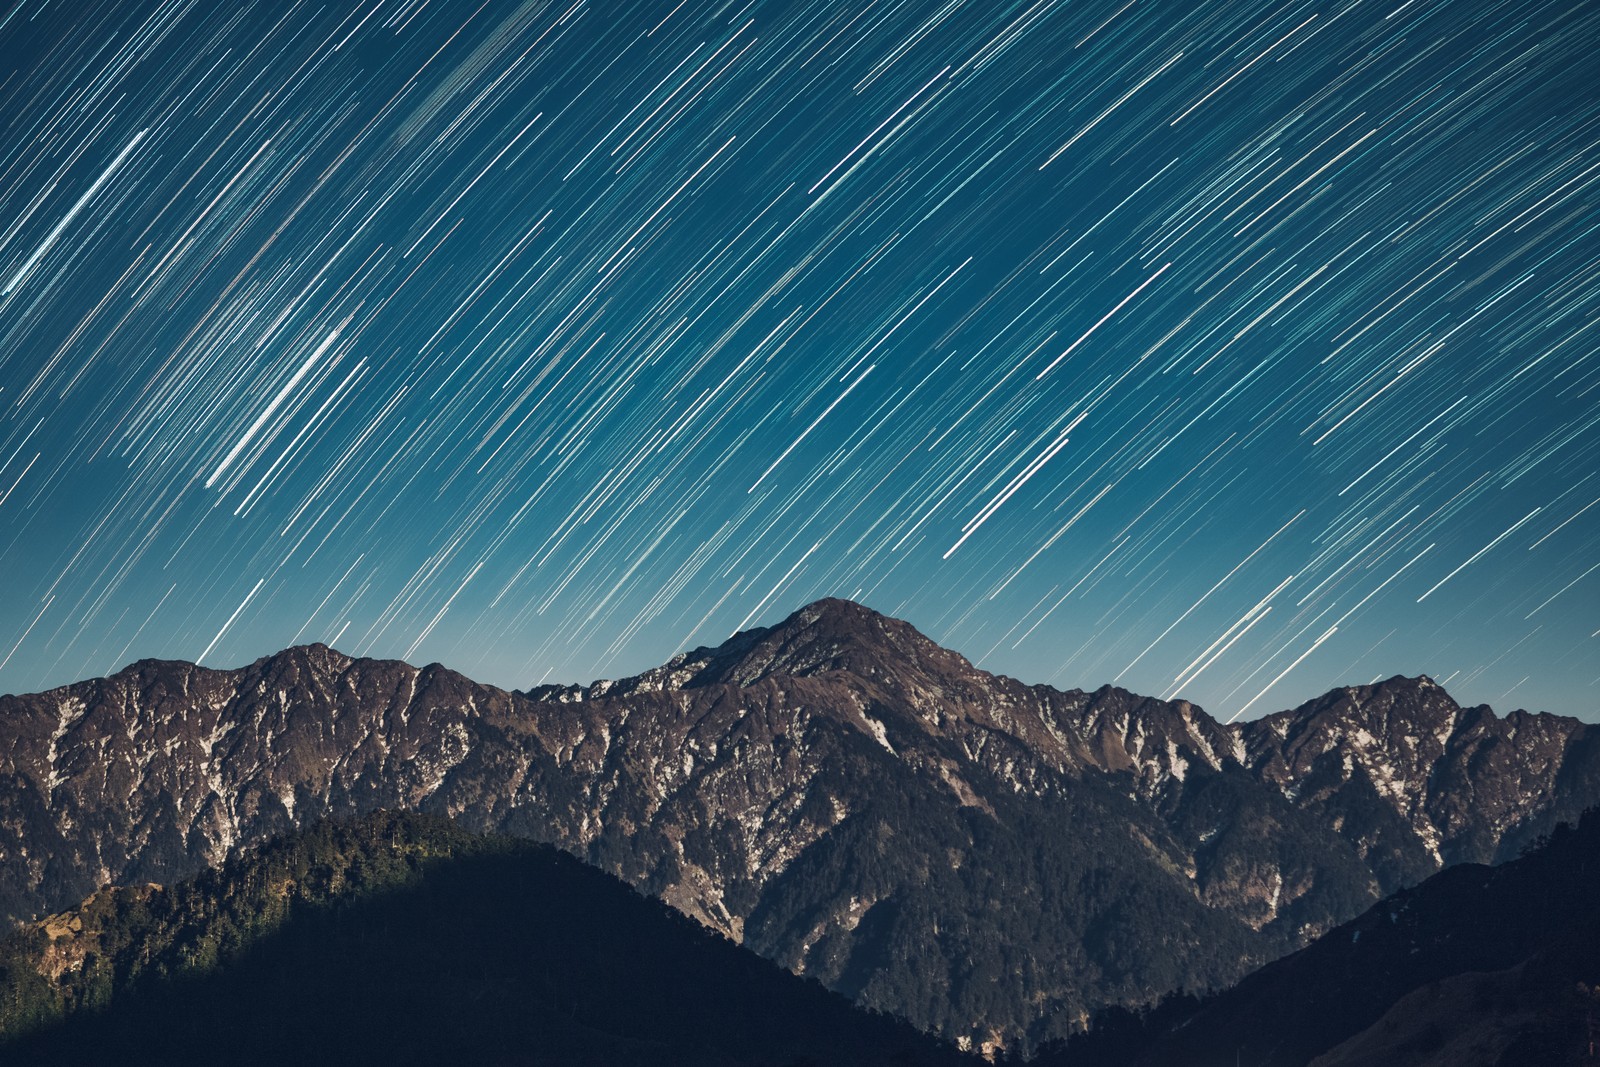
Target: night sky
1230, 350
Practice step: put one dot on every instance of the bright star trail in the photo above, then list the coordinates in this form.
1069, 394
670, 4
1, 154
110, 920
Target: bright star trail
1231, 351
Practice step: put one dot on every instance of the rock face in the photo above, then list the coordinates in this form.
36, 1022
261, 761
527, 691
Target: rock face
991, 860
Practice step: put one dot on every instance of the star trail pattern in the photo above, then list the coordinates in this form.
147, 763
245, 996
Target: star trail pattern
1229, 351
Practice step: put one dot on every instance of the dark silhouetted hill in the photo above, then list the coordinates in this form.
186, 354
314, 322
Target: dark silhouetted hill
403, 939
1476, 967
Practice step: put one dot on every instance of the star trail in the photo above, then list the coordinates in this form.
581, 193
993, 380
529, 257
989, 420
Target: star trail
1223, 351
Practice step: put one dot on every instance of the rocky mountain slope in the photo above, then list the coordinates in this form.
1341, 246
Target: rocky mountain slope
990, 859
402, 939
1476, 967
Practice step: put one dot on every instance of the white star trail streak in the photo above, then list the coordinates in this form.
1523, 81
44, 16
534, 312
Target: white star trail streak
72, 213
1185, 348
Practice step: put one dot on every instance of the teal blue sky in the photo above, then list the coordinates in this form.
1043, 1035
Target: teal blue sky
1225, 351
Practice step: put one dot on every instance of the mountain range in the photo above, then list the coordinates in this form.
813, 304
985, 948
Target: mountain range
993, 861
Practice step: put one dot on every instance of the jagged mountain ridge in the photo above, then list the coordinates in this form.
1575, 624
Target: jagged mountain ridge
837, 791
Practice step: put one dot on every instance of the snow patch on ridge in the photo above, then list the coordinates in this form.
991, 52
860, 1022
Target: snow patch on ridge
1179, 765
878, 732
68, 712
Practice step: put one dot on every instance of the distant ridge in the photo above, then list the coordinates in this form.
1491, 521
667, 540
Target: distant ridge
992, 860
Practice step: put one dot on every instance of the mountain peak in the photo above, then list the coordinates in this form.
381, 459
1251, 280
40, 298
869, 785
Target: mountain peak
1399, 703
837, 609
827, 635
1396, 729
837, 617
316, 655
